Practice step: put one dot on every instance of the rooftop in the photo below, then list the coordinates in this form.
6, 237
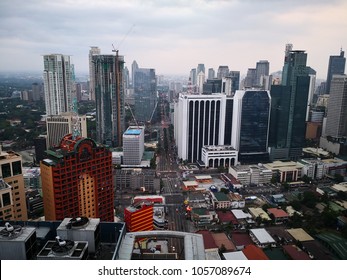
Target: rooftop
262, 236
133, 131
278, 213
295, 253
253, 252
299, 234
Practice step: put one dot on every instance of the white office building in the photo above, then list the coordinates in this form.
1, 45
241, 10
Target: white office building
214, 156
199, 121
133, 145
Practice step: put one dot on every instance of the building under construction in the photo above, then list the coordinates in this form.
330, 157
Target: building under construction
109, 97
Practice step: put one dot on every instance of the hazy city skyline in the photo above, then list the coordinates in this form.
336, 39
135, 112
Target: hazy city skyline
172, 36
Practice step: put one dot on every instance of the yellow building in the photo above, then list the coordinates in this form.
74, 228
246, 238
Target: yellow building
12, 190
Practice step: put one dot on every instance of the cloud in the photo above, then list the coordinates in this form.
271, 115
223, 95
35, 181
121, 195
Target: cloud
171, 36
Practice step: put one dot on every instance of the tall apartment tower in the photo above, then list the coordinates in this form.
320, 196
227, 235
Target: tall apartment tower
109, 98
336, 125
145, 93
77, 180
133, 145
12, 187
250, 130
288, 107
59, 126
92, 51
58, 83
336, 66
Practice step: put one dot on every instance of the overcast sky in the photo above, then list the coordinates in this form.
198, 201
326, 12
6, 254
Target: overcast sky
172, 36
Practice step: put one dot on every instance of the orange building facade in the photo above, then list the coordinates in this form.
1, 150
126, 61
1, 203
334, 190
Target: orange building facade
139, 217
77, 180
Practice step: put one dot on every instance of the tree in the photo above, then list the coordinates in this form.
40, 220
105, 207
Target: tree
309, 199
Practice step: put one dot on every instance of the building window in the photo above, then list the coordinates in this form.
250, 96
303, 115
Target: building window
6, 170
17, 168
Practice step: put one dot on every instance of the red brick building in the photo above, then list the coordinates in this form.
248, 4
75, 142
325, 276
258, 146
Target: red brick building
77, 180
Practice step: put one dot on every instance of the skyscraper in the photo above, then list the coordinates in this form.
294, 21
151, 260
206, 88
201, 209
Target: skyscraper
192, 76
109, 97
12, 188
200, 82
222, 72
336, 66
134, 67
92, 51
77, 180
211, 74
250, 130
58, 83
235, 77
336, 125
288, 107
145, 93
199, 121
262, 69
250, 79
200, 68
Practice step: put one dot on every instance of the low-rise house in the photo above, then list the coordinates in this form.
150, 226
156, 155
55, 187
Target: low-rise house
278, 215
221, 201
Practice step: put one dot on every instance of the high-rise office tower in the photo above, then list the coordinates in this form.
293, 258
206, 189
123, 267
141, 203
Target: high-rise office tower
336, 125
200, 82
250, 79
250, 130
133, 145
262, 69
200, 68
134, 67
211, 74
193, 76
336, 66
58, 83
59, 126
312, 88
126, 76
12, 187
145, 94
222, 72
109, 97
288, 107
92, 51
77, 180
199, 121
235, 77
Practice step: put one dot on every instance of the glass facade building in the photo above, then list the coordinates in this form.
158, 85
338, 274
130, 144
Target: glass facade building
288, 109
145, 92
